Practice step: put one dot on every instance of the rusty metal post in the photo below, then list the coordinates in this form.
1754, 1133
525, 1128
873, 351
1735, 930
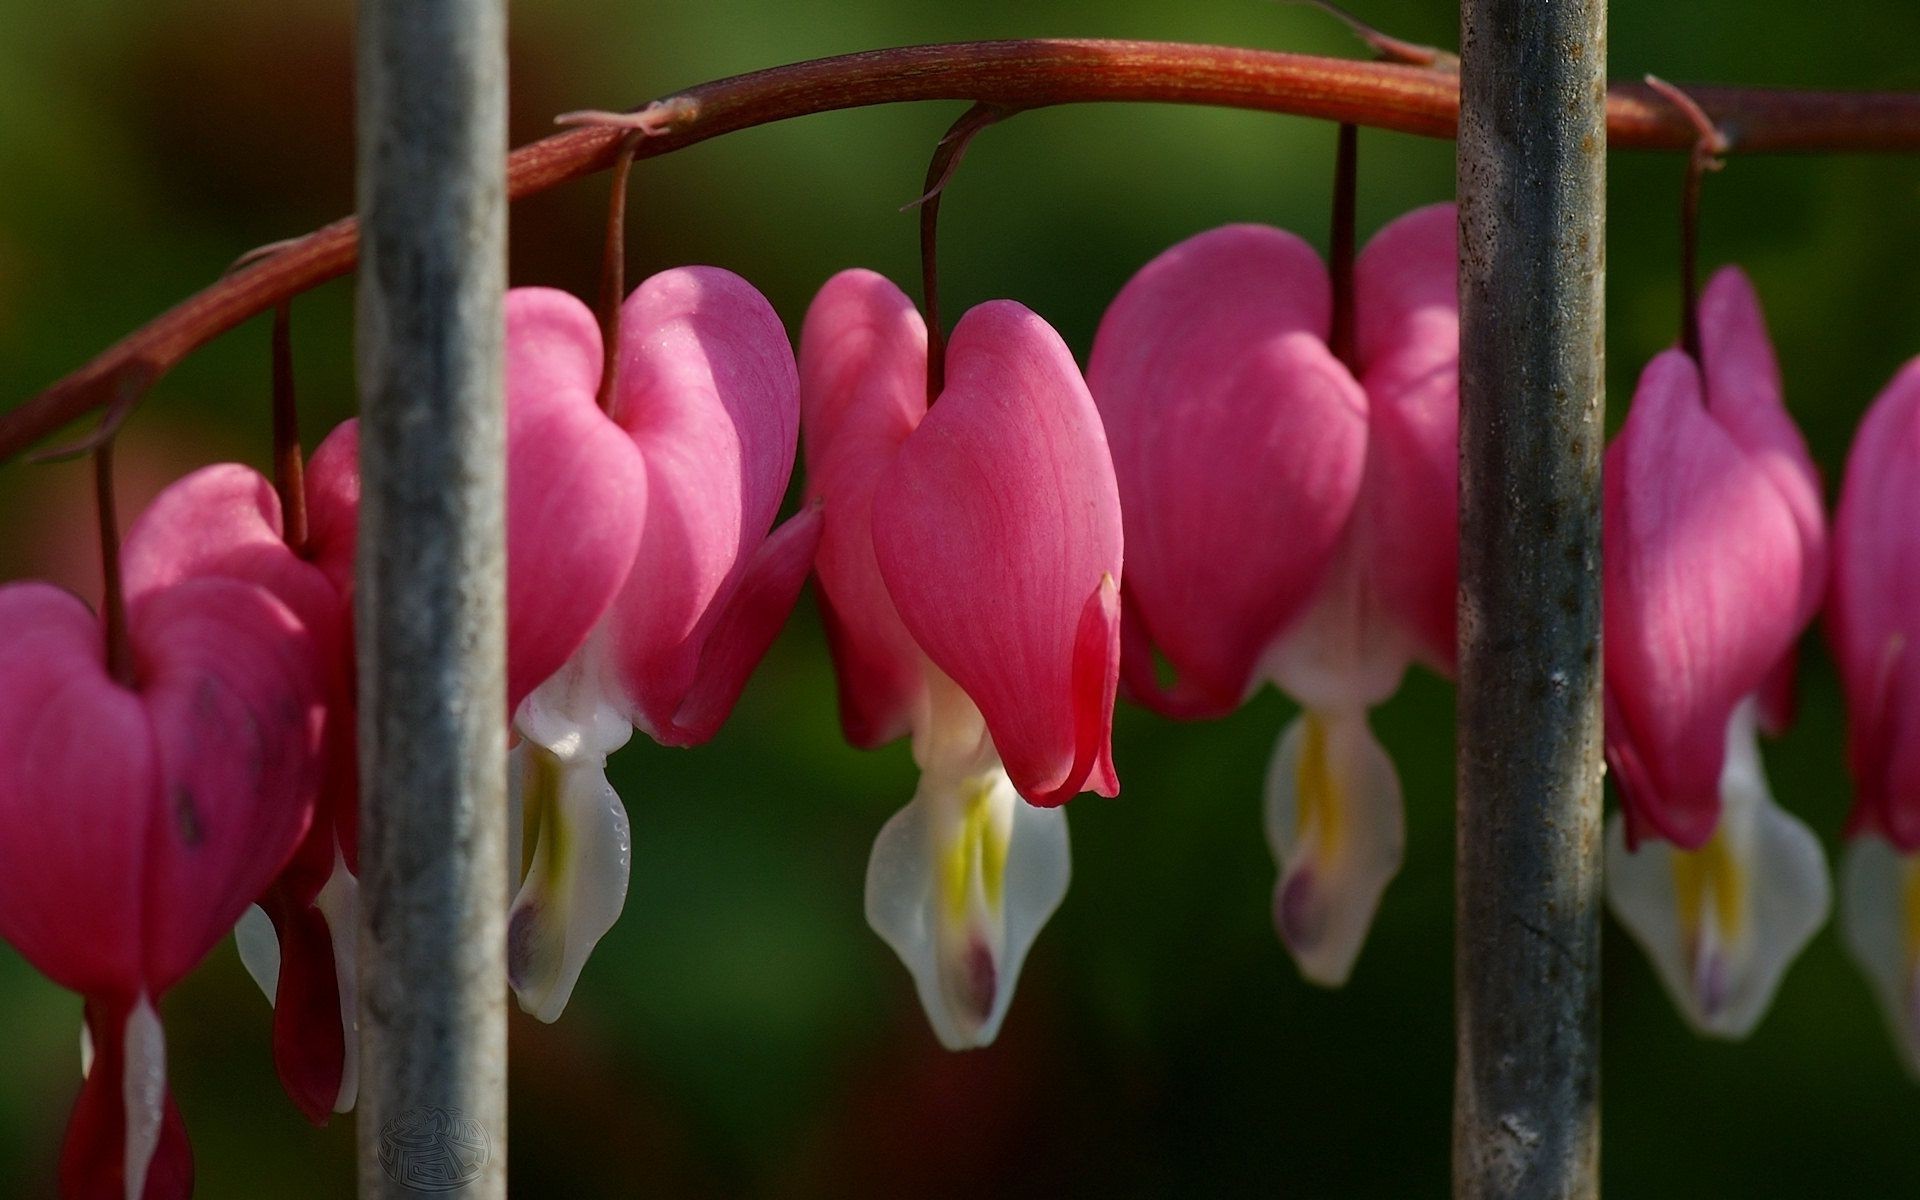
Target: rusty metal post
431, 598
1531, 175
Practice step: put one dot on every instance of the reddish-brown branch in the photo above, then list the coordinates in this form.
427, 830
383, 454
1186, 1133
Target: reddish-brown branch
1014, 74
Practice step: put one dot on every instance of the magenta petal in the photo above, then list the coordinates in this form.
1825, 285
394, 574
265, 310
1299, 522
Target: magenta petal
333, 504
136, 826
1408, 333
576, 487
997, 530
1229, 420
1875, 610
709, 393
225, 521
1744, 394
1702, 580
235, 693
752, 619
863, 389
78, 787
309, 1043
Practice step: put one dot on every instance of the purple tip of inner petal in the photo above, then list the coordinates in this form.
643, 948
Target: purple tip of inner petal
1298, 911
982, 980
520, 931
1710, 982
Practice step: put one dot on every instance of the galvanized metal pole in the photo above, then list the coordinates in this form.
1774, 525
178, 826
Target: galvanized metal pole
431, 598
1531, 175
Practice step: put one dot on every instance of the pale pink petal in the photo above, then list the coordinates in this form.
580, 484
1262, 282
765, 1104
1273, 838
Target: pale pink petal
1238, 442
997, 530
1702, 580
78, 789
863, 389
709, 393
576, 487
1875, 610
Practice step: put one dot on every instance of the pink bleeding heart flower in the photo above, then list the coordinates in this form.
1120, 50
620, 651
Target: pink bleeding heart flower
1292, 517
1714, 562
706, 397
576, 493
138, 820
969, 569
224, 521
1874, 620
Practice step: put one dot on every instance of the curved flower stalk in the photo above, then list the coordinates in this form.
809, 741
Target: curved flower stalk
224, 521
139, 816
706, 405
1715, 561
1874, 620
969, 571
1292, 517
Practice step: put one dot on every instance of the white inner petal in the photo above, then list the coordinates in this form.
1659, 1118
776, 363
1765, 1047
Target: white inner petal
572, 712
576, 874
1880, 921
259, 946
1342, 654
962, 879
143, 1089
1723, 923
1337, 829
338, 902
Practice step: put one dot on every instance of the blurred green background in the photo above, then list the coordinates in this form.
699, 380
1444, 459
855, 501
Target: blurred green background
741, 1033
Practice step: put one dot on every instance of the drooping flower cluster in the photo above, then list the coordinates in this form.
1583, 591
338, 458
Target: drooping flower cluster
208, 783
1273, 449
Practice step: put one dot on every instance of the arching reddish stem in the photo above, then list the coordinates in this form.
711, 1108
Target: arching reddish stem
1346, 171
1020, 74
289, 468
613, 270
1709, 145
113, 603
940, 169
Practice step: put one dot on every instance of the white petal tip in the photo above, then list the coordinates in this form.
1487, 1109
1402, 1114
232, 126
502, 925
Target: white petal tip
1722, 924
959, 884
576, 883
1880, 922
1335, 825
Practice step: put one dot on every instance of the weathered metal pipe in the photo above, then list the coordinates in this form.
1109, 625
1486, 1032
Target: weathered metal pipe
431, 598
1532, 176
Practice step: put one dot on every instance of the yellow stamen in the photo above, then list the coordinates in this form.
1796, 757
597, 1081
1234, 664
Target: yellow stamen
1910, 908
540, 812
1710, 875
980, 851
1319, 816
